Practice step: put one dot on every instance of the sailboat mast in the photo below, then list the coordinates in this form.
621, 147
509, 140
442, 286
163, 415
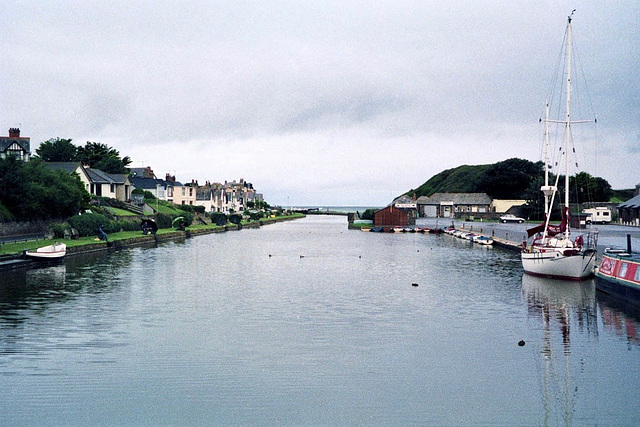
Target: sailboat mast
546, 161
567, 128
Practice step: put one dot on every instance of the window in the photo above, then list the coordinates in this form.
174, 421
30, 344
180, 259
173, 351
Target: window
623, 269
637, 278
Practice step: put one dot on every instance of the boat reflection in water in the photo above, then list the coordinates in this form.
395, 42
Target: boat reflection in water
559, 308
559, 305
620, 317
559, 302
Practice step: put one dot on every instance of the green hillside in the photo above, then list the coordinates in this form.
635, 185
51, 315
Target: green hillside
509, 179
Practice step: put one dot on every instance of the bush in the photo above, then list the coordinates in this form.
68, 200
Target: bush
115, 226
191, 208
58, 229
163, 220
368, 214
5, 215
254, 216
218, 218
188, 218
88, 224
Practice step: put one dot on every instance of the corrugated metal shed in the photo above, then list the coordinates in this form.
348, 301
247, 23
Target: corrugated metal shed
393, 217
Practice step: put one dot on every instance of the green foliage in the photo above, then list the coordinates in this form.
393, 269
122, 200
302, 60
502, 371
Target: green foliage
103, 157
33, 191
57, 150
88, 224
368, 214
235, 219
254, 216
5, 215
218, 218
589, 189
622, 195
148, 195
164, 220
116, 226
191, 208
510, 179
188, 218
58, 229
463, 179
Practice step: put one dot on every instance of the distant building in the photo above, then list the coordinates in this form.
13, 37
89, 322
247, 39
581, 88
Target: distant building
15, 145
503, 205
392, 216
629, 211
230, 197
452, 205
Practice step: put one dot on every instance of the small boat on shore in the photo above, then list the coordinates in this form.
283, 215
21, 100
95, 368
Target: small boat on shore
46, 253
483, 240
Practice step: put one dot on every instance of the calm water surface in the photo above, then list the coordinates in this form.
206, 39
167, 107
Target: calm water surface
306, 322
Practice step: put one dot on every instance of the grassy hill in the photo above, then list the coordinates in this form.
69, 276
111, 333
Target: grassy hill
509, 179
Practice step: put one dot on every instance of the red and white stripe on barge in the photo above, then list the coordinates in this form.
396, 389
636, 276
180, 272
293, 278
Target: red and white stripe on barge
619, 274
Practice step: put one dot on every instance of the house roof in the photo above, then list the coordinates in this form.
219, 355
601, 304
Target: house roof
631, 203
147, 183
69, 167
6, 142
456, 199
99, 177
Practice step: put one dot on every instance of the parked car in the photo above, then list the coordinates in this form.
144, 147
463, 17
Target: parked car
511, 218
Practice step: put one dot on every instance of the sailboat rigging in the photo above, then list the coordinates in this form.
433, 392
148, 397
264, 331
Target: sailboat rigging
552, 253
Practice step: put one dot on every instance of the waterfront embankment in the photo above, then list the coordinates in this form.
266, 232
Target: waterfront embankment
11, 255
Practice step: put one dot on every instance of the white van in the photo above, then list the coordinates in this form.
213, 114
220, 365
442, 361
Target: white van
598, 215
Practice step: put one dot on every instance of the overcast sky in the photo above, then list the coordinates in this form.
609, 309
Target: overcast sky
318, 102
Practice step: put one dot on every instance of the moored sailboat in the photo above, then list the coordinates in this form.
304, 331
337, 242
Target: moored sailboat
553, 252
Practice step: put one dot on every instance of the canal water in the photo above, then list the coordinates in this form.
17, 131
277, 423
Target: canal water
308, 323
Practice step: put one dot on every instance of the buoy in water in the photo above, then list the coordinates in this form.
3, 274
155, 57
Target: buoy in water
521, 343
414, 284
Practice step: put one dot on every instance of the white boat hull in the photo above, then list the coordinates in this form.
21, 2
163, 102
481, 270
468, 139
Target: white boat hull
55, 251
555, 264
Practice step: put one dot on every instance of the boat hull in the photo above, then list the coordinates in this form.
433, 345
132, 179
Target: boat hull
620, 276
556, 265
48, 253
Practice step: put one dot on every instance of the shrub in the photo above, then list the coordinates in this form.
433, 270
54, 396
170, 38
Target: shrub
88, 224
58, 229
5, 215
163, 220
368, 214
254, 216
188, 218
115, 226
218, 218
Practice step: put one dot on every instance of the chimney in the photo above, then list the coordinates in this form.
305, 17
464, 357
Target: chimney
14, 133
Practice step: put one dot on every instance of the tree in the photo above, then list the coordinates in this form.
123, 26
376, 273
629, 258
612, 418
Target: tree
586, 188
33, 191
57, 150
103, 157
510, 179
